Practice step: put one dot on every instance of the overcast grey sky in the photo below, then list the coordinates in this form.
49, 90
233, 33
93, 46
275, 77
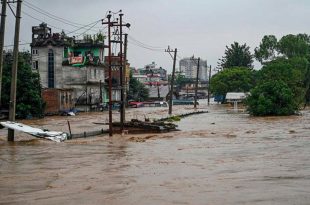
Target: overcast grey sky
199, 27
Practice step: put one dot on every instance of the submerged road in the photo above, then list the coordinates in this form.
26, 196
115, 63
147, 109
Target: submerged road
216, 158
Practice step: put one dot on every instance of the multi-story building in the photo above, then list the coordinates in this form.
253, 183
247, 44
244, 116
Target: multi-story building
66, 63
151, 75
151, 69
188, 66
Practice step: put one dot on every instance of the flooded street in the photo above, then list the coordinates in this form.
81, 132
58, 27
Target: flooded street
216, 158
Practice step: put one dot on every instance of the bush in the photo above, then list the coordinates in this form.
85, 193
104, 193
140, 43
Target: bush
271, 98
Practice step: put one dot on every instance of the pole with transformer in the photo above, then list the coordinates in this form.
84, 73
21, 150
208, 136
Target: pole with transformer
122, 67
12, 104
172, 77
2, 30
110, 24
121, 70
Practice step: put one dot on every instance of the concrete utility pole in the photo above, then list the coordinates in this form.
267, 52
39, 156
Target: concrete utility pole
172, 77
123, 78
196, 84
122, 68
209, 83
12, 106
110, 24
2, 30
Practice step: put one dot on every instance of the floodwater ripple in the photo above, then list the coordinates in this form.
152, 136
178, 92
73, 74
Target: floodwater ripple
216, 158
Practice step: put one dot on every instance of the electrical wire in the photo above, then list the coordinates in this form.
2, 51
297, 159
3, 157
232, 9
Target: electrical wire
88, 29
138, 45
143, 44
52, 16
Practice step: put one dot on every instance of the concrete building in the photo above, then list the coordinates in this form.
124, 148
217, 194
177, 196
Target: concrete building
189, 68
66, 63
152, 70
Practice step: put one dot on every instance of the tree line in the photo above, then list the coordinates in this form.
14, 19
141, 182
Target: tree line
280, 87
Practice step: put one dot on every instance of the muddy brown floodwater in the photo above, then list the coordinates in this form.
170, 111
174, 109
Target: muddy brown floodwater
216, 158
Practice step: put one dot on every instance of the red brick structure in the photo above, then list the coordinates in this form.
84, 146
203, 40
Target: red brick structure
57, 100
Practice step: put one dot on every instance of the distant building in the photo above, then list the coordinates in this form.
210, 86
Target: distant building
66, 63
151, 75
189, 68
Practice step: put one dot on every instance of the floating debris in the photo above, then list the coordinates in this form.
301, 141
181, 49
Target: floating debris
36, 132
178, 117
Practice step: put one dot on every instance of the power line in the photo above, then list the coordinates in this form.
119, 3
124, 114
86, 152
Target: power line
144, 44
88, 29
141, 46
95, 22
61, 29
52, 16
20, 44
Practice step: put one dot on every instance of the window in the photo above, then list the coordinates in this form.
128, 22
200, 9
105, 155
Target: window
51, 71
34, 51
35, 65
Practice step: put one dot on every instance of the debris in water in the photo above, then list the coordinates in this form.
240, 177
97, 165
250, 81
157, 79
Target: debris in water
36, 132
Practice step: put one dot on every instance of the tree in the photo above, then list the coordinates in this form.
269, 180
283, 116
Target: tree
295, 49
137, 90
237, 79
237, 56
288, 46
280, 87
271, 98
294, 45
28, 96
267, 49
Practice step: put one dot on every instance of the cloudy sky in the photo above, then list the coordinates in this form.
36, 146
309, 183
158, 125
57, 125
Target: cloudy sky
199, 27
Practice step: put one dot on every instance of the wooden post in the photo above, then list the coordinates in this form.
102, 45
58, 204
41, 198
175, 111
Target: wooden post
69, 129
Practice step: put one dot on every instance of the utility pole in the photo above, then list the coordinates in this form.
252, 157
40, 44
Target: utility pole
12, 103
121, 73
124, 74
121, 65
209, 83
172, 77
2, 30
196, 84
122, 68
110, 24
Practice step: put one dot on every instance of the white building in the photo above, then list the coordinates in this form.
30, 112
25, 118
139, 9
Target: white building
188, 66
63, 66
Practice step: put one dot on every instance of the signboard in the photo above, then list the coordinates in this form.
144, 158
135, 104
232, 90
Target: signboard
76, 60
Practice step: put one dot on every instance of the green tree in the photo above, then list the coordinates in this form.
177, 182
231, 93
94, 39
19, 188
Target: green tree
295, 49
280, 87
236, 79
288, 46
271, 98
237, 56
28, 96
137, 90
267, 49
294, 45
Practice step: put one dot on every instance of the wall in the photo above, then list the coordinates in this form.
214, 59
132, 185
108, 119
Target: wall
42, 58
57, 99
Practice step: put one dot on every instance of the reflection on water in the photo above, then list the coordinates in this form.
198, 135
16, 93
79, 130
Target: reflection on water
217, 158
